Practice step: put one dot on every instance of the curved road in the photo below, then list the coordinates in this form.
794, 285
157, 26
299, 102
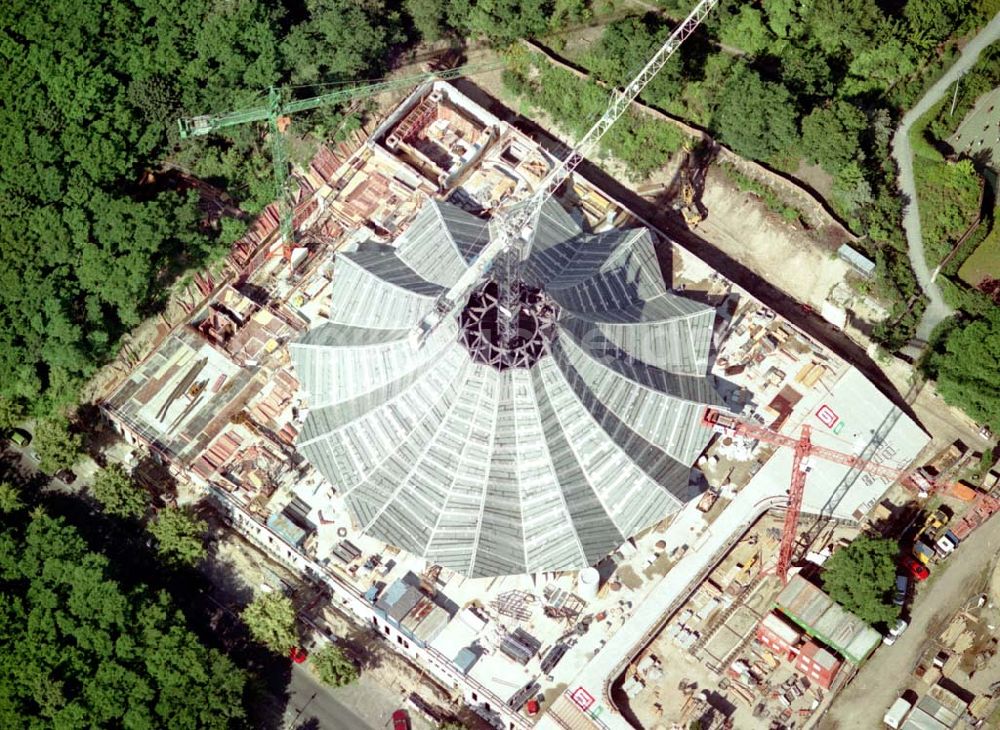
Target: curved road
890, 670
937, 310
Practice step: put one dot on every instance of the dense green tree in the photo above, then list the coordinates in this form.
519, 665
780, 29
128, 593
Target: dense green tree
862, 578
807, 71
179, 535
428, 17
844, 24
11, 412
57, 447
78, 650
118, 494
333, 666
10, 498
966, 364
92, 91
625, 47
503, 21
851, 190
933, 20
270, 617
784, 19
747, 31
756, 118
878, 65
342, 39
830, 135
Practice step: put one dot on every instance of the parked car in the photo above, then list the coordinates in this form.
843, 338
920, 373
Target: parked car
902, 588
923, 552
400, 720
894, 633
66, 476
915, 569
19, 437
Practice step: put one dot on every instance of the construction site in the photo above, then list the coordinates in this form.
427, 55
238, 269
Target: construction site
569, 470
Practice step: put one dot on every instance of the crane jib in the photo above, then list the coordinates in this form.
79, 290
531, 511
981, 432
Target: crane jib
514, 227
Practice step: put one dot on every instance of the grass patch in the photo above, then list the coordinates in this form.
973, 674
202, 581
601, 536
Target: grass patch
642, 143
948, 192
984, 263
762, 191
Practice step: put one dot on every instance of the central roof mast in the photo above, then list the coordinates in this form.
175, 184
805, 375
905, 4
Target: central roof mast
511, 237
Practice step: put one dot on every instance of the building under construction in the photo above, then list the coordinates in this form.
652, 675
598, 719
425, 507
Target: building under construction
302, 404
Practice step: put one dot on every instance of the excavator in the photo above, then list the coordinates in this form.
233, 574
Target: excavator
685, 200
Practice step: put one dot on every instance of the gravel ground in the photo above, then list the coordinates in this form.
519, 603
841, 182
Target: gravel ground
890, 670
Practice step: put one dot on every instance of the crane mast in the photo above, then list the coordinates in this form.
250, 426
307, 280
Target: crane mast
277, 107
804, 450
513, 228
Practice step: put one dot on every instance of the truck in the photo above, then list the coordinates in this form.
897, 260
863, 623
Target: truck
983, 507
923, 552
946, 544
894, 717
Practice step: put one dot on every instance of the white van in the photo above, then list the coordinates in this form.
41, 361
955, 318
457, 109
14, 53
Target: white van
897, 713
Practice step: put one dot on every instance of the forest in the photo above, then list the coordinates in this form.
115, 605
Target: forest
92, 92
80, 649
788, 86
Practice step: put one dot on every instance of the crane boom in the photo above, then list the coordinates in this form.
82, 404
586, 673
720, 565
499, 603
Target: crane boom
725, 423
276, 108
513, 229
210, 123
523, 216
805, 449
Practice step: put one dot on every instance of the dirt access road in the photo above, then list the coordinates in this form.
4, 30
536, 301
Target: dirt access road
937, 310
890, 670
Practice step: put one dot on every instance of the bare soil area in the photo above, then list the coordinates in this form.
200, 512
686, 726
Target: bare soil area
890, 670
742, 226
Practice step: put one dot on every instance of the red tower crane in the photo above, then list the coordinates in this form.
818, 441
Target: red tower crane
803, 450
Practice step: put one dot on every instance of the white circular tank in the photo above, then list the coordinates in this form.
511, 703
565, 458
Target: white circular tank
588, 581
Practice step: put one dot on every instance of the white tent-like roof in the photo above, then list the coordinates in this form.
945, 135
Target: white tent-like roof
546, 465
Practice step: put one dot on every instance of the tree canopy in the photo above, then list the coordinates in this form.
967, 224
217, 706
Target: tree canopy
862, 578
756, 117
179, 535
78, 650
57, 447
830, 135
10, 498
966, 364
333, 666
270, 617
117, 494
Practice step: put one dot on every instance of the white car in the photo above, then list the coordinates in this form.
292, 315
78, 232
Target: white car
894, 633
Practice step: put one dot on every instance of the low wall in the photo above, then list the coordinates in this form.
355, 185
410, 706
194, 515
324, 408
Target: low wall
814, 210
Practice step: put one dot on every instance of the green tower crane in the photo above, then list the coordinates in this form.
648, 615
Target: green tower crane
277, 107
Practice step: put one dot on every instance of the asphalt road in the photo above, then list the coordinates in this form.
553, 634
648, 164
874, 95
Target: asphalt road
312, 705
890, 670
937, 310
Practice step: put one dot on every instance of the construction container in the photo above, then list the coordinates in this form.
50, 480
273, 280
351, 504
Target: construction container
818, 664
809, 607
777, 635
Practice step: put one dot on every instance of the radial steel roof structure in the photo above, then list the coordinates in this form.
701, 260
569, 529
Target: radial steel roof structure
491, 459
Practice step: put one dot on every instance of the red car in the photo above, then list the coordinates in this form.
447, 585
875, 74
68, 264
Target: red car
400, 720
914, 567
